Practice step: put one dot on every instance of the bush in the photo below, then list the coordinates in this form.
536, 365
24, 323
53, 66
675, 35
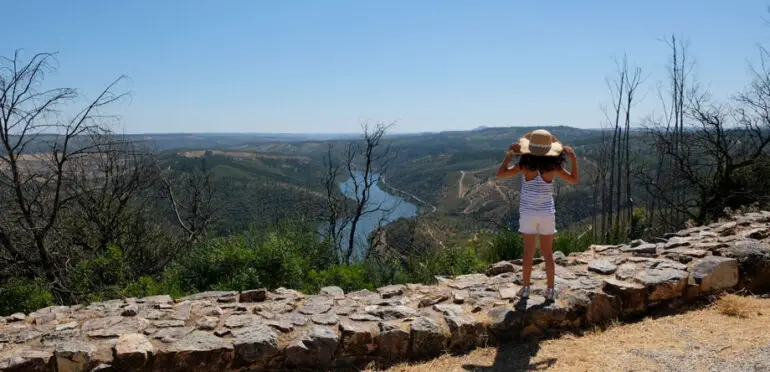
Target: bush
100, 278
449, 261
281, 257
24, 295
348, 277
572, 241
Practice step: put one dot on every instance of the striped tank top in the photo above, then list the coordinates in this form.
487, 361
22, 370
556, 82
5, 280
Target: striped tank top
536, 197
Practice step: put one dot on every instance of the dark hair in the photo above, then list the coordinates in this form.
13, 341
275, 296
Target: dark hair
542, 163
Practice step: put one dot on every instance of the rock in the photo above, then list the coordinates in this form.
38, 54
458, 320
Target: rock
678, 257
281, 325
662, 284
598, 248
315, 349
210, 295
167, 323
130, 310
677, 242
758, 234
692, 252
71, 356
124, 325
296, 319
432, 299
255, 295
334, 292
641, 248
500, 268
584, 283
17, 317
316, 305
357, 338
172, 334
26, 360
559, 258
449, 309
428, 339
754, 264
725, 229
714, 273
465, 332
363, 317
391, 290
229, 299
393, 312
632, 295
601, 307
508, 292
255, 344
198, 350
459, 297
66, 326
469, 280
393, 341
325, 319
207, 323
603, 267
243, 320
132, 351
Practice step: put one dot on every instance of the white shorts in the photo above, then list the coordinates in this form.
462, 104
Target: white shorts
537, 225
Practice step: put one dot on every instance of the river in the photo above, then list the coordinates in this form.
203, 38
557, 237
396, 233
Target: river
392, 208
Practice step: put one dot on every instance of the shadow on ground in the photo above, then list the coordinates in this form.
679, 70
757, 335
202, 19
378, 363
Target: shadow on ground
516, 356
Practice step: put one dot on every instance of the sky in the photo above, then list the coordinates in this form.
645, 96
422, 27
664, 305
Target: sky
325, 66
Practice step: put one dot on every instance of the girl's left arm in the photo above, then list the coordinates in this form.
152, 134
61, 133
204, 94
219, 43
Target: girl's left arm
573, 175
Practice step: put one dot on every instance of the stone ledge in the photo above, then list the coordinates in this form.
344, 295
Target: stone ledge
265, 330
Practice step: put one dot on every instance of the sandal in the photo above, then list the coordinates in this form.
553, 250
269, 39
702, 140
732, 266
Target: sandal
550, 295
524, 292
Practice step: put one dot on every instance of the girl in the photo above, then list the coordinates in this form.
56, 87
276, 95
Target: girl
542, 159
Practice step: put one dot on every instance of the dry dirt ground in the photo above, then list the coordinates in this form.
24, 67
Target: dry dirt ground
731, 334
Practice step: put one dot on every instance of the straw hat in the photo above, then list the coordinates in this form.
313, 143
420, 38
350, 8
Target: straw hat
540, 143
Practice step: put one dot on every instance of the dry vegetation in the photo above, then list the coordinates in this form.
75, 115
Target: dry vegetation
244, 155
731, 334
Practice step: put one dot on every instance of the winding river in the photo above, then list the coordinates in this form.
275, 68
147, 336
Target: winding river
391, 207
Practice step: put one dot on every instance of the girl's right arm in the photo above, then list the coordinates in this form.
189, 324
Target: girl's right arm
570, 176
504, 171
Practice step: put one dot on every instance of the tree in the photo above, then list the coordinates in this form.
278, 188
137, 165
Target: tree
614, 176
78, 198
708, 149
35, 184
364, 161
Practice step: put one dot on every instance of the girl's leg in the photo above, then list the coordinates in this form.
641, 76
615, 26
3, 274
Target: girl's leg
546, 248
529, 255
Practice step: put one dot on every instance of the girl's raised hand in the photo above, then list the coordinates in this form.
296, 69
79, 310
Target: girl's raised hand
515, 147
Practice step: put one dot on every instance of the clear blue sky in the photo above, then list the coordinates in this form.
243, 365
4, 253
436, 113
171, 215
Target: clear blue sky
321, 65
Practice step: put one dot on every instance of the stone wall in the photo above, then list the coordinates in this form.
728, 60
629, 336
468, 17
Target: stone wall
284, 329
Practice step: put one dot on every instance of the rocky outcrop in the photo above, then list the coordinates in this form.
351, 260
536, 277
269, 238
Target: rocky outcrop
264, 330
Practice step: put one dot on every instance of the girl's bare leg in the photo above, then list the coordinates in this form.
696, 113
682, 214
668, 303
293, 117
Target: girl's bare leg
546, 248
529, 255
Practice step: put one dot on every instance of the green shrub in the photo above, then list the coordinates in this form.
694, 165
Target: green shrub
348, 277
24, 295
572, 241
100, 278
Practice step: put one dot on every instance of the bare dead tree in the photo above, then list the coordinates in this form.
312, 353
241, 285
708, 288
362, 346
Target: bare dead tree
710, 148
363, 161
192, 200
36, 182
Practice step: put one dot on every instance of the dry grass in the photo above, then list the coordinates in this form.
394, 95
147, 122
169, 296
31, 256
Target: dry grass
724, 332
740, 306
